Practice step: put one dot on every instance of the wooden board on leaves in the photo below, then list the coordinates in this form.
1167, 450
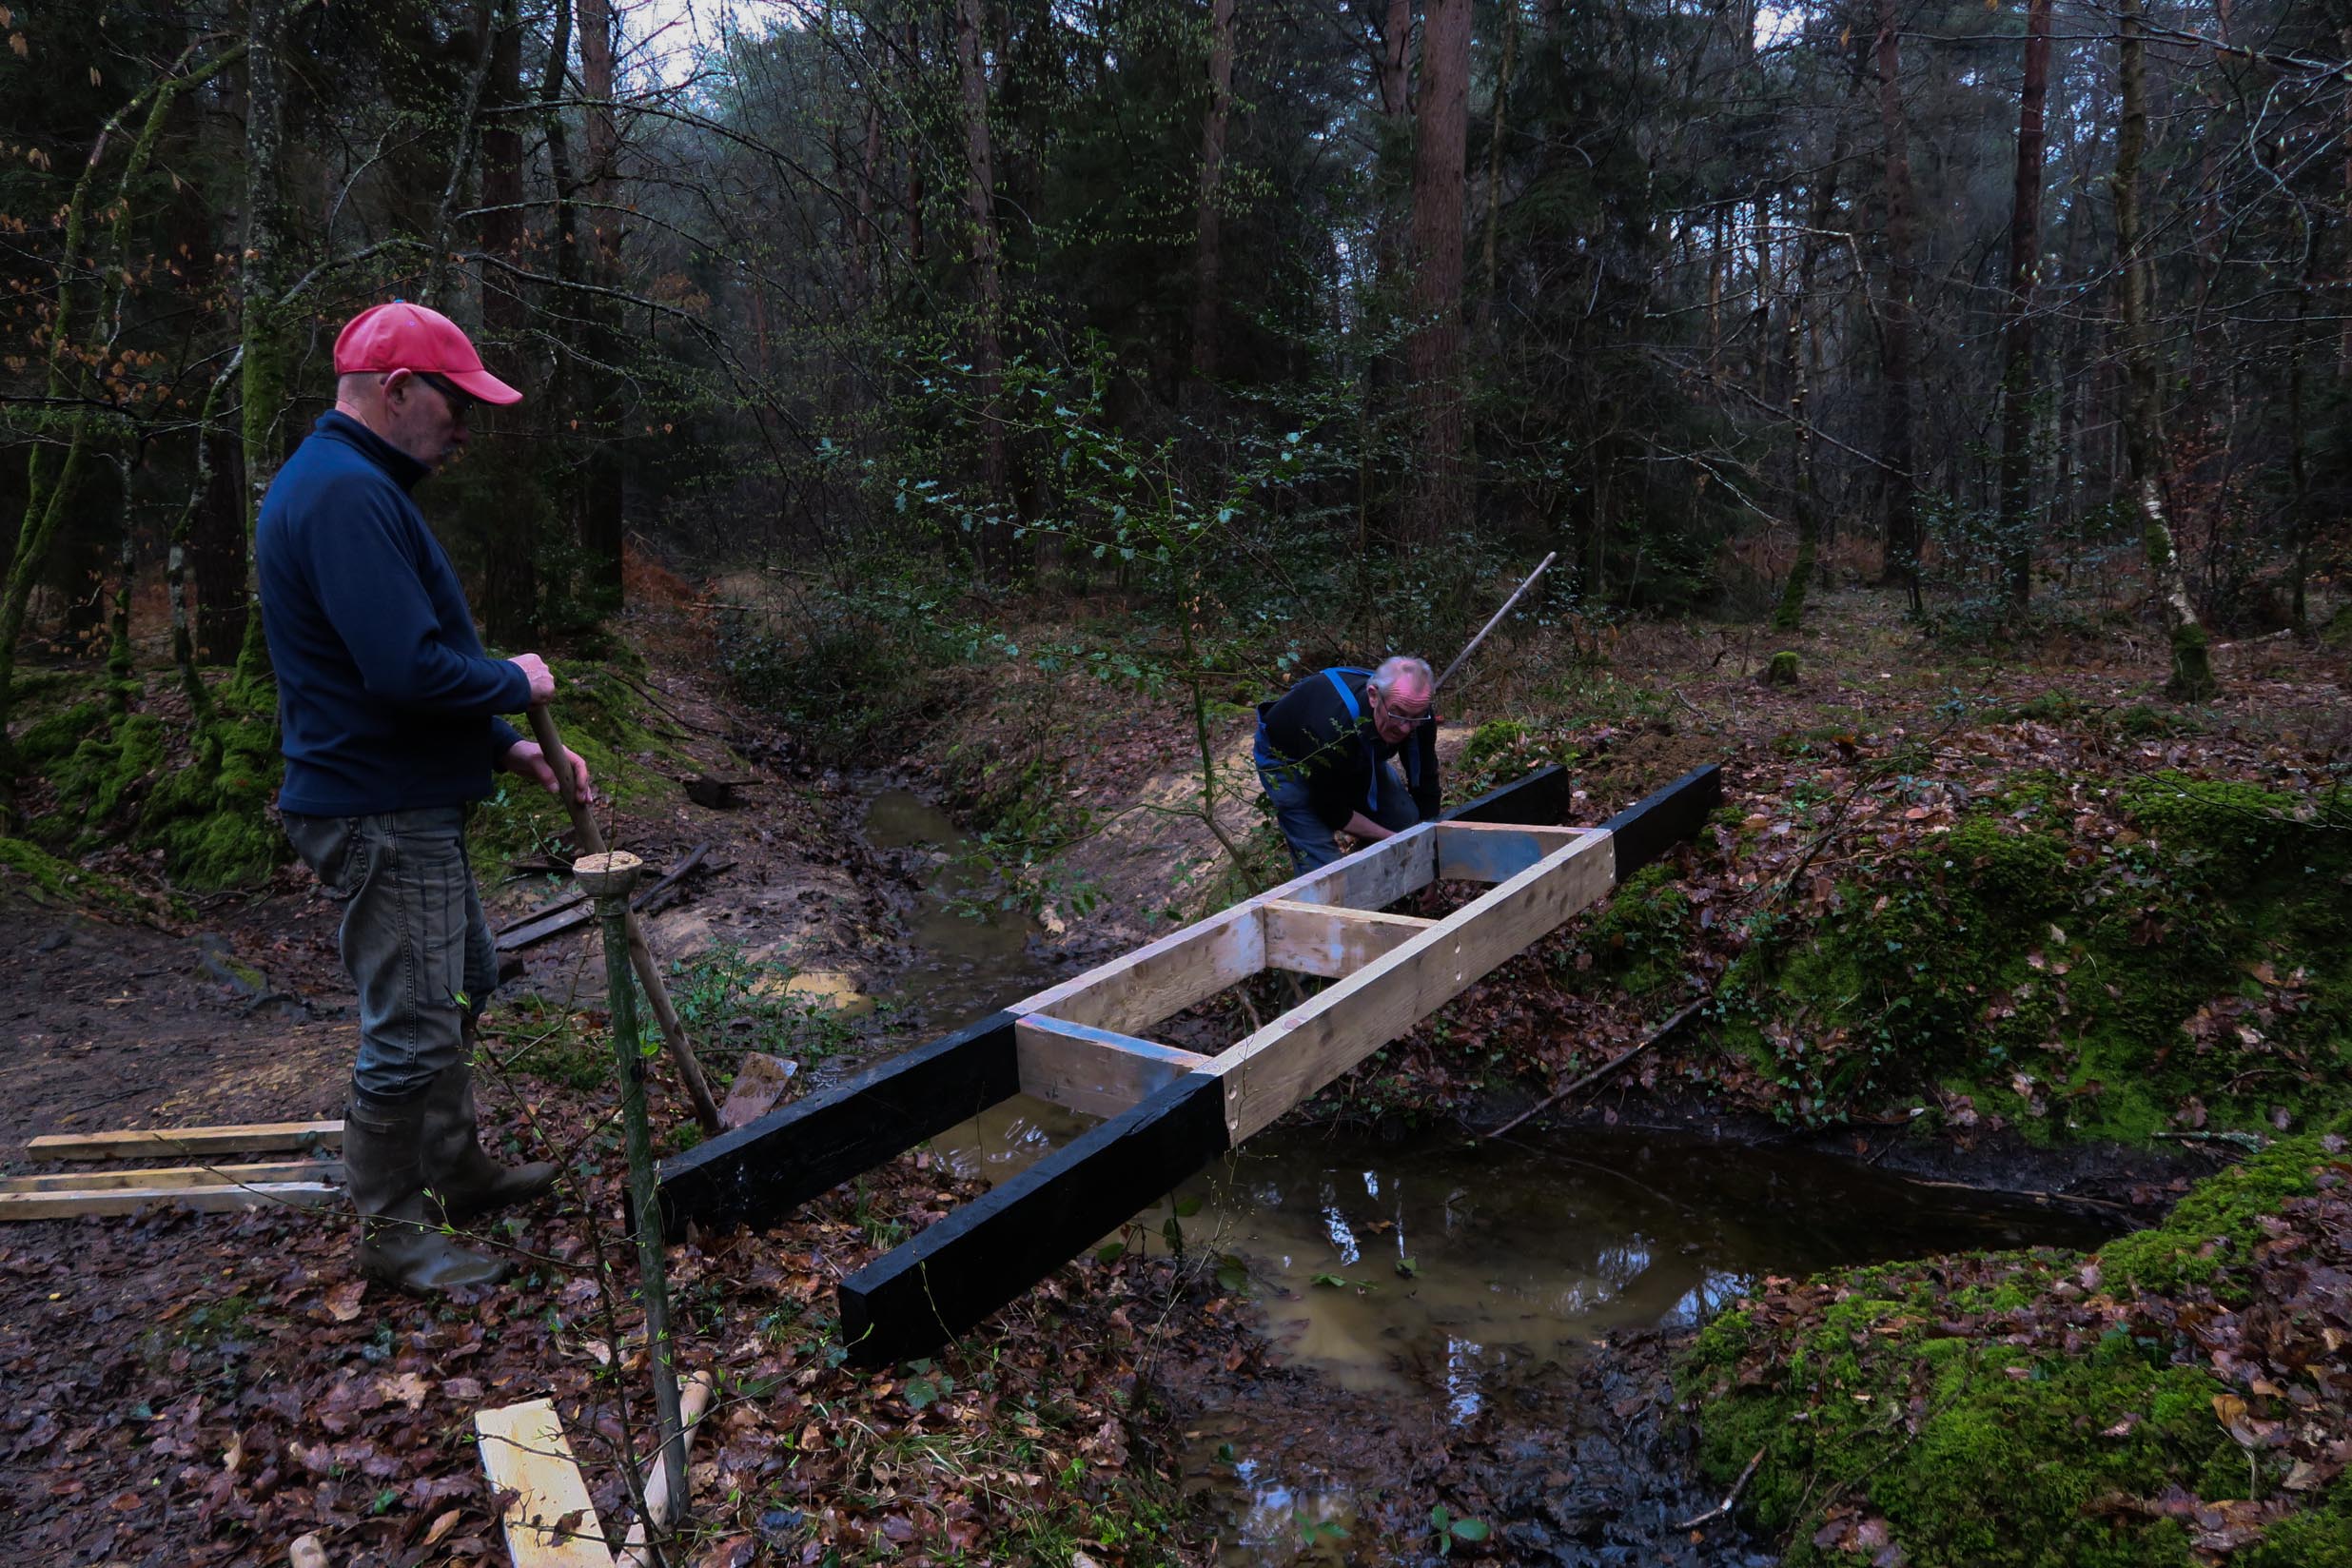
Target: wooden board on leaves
550, 1520
163, 1143
171, 1176
69, 1203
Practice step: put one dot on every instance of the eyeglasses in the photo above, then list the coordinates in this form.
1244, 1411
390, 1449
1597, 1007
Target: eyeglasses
460, 402
1390, 710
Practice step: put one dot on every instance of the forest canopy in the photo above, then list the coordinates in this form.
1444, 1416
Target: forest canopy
2027, 312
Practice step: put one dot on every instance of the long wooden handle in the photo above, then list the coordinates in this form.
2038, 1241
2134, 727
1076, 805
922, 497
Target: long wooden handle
640, 954
1493, 621
634, 1553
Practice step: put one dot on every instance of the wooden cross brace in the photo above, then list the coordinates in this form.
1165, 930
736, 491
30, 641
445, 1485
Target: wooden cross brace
1168, 1113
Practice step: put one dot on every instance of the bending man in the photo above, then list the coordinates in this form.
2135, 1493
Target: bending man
1324, 754
388, 707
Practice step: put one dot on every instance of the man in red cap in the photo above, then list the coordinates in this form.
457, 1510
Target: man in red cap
389, 713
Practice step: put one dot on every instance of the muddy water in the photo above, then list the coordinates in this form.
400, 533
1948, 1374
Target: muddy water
964, 968
1452, 1294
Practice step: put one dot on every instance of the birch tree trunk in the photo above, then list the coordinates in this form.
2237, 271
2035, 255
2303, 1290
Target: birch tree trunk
2017, 389
2192, 667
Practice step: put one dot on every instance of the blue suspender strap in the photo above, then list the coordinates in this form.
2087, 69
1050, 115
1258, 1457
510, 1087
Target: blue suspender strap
1355, 719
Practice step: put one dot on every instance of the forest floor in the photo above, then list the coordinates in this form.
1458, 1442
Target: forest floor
202, 1389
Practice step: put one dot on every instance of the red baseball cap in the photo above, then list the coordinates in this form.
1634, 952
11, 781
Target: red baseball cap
400, 336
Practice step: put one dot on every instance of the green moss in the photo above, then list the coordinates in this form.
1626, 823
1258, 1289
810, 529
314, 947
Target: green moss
47, 741
2319, 1538
2215, 1225
1783, 669
2074, 986
30, 866
1637, 939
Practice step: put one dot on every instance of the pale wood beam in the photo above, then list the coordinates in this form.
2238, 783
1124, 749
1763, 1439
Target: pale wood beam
1092, 1070
1331, 941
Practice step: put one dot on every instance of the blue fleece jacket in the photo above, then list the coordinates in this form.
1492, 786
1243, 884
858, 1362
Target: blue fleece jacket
386, 699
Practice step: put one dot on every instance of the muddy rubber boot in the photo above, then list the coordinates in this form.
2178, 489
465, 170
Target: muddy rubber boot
400, 1239
466, 1180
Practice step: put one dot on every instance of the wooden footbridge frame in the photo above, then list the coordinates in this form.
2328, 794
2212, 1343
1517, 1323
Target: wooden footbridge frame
1170, 1112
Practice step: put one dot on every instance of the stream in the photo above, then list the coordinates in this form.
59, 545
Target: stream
1463, 1298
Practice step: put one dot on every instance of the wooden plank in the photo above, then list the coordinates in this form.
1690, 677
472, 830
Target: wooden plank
100, 1180
1094, 1070
1372, 878
1329, 940
153, 1143
1658, 821
759, 1173
990, 1251
1161, 979
551, 1521
70, 1204
1492, 852
573, 909
1312, 1044
1539, 799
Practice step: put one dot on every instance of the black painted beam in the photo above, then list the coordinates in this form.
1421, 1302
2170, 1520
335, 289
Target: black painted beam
1658, 821
991, 1252
760, 1172
1537, 800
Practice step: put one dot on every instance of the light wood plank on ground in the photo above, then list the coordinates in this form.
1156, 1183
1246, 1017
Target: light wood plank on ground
551, 1522
1307, 1047
1092, 1070
1330, 939
70, 1204
101, 1181
158, 1142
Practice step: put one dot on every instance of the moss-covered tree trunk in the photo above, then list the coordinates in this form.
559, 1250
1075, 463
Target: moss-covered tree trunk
1790, 614
2192, 666
267, 347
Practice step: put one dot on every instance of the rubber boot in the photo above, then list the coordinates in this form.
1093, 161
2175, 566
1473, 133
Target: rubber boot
400, 1237
466, 1180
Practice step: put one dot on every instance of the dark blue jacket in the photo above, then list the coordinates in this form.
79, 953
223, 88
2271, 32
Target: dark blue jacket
386, 699
1310, 732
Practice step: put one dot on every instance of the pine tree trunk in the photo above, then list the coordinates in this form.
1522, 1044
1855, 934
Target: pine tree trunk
1433, 352
988, 282
508, 524
2017, 389
1896, 350
1207, 257
606, 474
2192, 669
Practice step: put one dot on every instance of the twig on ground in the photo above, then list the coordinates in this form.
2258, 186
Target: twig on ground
1605, 1068
1729, 1500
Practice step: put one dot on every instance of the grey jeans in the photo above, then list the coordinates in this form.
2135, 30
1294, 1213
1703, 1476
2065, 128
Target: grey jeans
414, 937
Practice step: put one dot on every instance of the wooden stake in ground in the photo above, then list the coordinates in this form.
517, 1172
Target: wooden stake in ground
609, 879
648, 973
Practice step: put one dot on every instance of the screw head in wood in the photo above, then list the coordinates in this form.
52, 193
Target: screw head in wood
609, 875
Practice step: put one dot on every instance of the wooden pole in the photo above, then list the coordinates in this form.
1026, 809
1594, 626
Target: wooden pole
648, 973
1493, 621
608, 878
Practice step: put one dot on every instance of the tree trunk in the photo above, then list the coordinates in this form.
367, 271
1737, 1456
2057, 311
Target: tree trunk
606, 474
1896, 346
268, 345
507, 522
988, 282
2192, 669
2017, 389
1208, 259
1789, 615
1433, 352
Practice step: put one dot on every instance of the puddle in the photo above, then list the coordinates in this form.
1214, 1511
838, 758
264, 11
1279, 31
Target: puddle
1457, 1282
966, 968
